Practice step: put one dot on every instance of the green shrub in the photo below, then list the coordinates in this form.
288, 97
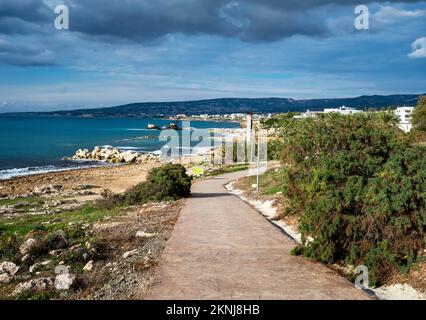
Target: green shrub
275, 147
359, 190
110, 200
237, 147
73, 232
42, 296
9, 247
51, 241
168, 182
278, 120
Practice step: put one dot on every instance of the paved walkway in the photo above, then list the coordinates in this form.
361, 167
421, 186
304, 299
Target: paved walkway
221, 248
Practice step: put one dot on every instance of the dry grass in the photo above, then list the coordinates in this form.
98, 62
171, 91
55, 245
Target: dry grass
117, 278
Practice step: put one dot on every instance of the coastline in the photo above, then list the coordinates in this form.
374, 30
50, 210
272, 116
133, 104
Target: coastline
88, 161
7, 174
116, 178
97, 175
31, 145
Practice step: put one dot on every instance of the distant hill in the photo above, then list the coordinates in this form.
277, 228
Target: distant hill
230, 105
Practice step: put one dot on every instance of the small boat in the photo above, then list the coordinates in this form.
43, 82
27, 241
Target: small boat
174, 126
152, 127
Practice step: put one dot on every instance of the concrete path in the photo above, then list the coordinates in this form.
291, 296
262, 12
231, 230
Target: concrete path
221, 248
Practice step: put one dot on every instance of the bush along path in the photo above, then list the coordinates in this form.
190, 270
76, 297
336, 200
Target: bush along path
357, 187
221, 248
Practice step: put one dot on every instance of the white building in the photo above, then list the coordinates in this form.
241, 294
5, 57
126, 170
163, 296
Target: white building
308, 114
343, 110
404, 114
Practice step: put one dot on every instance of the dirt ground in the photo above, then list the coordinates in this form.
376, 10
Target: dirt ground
416, 277
118, 278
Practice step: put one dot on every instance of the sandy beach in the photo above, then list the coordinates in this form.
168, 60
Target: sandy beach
117, 179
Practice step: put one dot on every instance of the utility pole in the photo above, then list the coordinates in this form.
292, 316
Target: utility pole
257, 169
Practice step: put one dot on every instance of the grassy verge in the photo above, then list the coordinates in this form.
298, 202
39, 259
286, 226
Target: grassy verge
29, 201
270, 183
226, 169
25, 224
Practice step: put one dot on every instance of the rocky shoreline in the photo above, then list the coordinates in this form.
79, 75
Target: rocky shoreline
83, 184
114, 155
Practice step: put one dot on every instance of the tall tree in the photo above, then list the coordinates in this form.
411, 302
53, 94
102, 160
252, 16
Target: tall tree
389, 117
419, 115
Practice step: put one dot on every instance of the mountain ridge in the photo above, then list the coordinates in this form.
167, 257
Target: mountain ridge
230, 105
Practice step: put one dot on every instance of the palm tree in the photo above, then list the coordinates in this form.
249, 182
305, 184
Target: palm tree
389, 117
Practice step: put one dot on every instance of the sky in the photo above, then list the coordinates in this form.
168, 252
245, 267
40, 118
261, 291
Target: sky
123, 51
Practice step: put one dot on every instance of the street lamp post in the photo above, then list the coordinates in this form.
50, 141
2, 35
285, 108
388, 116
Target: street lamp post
257, 169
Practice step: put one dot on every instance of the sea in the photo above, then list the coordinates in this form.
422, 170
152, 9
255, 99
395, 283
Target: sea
30, 145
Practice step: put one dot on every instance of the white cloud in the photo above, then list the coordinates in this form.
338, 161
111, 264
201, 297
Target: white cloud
419, 49
388, 14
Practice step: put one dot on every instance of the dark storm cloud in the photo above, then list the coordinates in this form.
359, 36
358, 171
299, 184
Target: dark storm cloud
147, 20
249, 20
26, 10
24, 53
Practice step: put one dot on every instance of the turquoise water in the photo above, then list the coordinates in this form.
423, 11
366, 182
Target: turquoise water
38, 144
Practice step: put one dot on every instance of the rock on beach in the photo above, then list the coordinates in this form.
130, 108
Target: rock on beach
114, 155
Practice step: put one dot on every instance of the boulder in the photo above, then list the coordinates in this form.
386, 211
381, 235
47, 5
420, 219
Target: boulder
27, 246
8, 267
88, 267
4, 278
6, 209
26, 258
95, 152
40, 266
85, 153
83, 187
115, 159
144, 235
130, 156
49, 189
82, 154
64, 279
80, 252
130, 253
54, 188
109, 153
34, 285
114, 155
56, 253
37, 190
141, 159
